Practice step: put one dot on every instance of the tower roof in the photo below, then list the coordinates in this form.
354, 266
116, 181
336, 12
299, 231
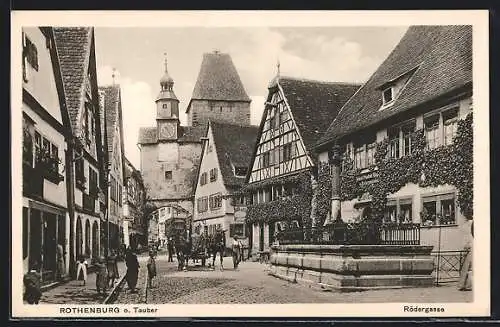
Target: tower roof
167, 85
219, 80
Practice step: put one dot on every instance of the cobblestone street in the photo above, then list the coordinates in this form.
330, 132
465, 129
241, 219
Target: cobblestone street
251, 284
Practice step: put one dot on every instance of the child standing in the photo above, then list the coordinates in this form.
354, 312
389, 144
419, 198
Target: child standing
101, 276
151, 268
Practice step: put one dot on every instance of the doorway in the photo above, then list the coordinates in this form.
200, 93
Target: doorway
95, 239
49, 232
79, 238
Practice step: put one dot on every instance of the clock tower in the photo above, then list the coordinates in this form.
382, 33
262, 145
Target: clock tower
167, 109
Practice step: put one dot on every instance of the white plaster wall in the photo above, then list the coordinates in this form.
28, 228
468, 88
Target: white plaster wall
210, 161
41, 84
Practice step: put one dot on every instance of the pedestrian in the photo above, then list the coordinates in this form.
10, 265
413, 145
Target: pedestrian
112, 268
236, 251
101, 278
81, 267
170, 248
151, 268
32, 285
60, 261
465, 281
132, 270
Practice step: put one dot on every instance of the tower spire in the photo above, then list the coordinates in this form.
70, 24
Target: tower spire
278, 67
113, 75
165, 55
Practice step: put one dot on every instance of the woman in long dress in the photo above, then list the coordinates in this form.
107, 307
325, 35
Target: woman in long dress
101, 276
60, 261
112, 268
132, 270
465, 281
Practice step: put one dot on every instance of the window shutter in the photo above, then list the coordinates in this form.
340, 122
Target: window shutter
231, 230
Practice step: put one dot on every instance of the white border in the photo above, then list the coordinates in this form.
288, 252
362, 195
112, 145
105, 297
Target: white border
477, 18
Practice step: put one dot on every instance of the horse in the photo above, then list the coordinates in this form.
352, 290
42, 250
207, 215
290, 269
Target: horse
216, 244
182, 247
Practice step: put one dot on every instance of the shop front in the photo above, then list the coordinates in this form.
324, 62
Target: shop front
44, 228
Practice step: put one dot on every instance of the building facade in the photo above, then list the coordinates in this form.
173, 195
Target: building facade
223, 167
218, 94
46, 134
165, 221
135, 223
405, 138
110, 100
279, 183
85, 165
170, 152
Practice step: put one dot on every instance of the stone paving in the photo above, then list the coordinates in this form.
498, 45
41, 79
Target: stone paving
251, 284
76, 293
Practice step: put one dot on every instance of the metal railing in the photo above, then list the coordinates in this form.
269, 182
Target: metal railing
353, 234
447, 266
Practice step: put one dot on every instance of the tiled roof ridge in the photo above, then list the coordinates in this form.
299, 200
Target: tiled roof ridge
302, 79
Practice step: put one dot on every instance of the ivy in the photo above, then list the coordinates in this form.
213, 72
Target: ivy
451, 164
294, 207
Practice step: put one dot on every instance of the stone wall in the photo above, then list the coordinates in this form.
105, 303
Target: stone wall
354, 267
222, 111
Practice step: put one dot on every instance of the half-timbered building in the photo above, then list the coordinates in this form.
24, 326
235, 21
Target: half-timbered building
297, 112
405, 138
135, 223
111, 106
76, 49
46, 134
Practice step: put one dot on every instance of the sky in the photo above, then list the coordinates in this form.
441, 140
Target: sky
337, 54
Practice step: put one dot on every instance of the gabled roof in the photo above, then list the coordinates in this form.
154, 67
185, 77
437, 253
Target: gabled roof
73, 48
112, 112
218, 79
187, 134
234, 144
314, 104
442, 56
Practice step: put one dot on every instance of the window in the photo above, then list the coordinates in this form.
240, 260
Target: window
211, 105
405, 212
79, 173
391, 211
215, 201
202, 204
387, 95
359, 157
266, 160
407, 131
450, 122
168, 175
93, 189
278, 191
287, 152
266, 125
120, 194
438, 210
203, 179
432, 131
237, 230
30, 52
284, 116
165, 106
213, 174
370, 154
240, 171
393, 134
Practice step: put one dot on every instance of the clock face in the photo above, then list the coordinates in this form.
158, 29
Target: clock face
167, 131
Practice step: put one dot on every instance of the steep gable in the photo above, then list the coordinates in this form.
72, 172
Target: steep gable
73, 46
233, 144
439, 60
218, 79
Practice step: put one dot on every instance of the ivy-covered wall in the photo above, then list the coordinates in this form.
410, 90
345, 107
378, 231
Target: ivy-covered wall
288, 208
451, 164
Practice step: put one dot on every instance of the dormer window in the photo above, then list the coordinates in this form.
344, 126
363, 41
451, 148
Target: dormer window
387, 95
240, 171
